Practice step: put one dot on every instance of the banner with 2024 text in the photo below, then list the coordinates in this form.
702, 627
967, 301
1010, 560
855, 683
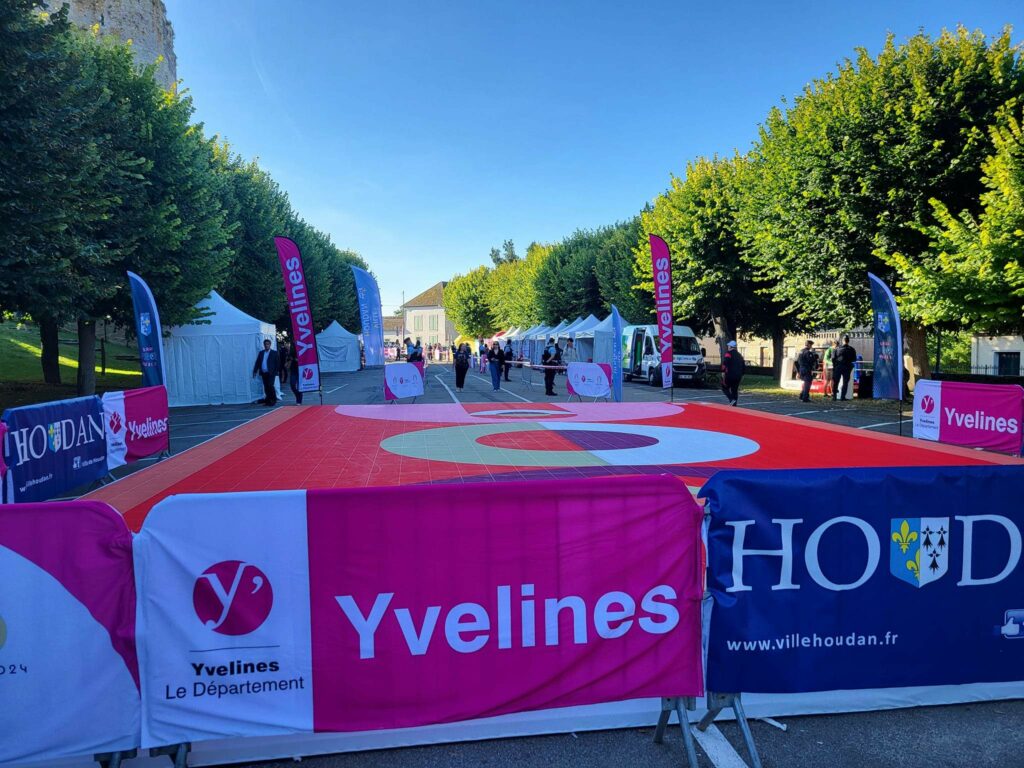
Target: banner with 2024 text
909, 576
589, 379
69, 676
268, 613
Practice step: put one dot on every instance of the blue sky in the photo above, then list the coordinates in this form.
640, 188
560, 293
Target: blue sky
421, 134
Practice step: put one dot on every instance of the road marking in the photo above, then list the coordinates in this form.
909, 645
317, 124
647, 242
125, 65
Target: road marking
718, 749
884, 424
763, 402
506, 391
180, 425
335, 389
446, 388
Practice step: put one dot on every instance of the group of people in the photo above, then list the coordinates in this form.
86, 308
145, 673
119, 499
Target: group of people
837, 368
495, 358
272, 366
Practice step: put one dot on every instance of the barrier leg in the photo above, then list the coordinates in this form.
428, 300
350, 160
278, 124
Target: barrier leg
178, 753
679, 705
719, 701
114, 759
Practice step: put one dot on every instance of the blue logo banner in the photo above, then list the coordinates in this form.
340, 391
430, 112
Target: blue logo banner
888, 364
54, 447
905, 577
148, 332
616, 355
370, 316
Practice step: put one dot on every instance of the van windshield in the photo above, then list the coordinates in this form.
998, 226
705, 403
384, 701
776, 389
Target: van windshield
685, 345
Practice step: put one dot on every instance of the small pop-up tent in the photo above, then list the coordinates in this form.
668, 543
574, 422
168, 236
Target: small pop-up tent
338, 349
209, 362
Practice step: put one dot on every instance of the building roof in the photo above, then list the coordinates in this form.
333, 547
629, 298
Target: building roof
432, 297
393, 324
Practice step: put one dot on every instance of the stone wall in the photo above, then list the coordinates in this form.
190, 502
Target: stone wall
144, 22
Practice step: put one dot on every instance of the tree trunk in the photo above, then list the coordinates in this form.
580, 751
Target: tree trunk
725, 331
86, 357
778, 349
49, 333
915, 343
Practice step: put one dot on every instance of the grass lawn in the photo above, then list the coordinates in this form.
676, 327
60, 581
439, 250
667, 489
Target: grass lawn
21, 373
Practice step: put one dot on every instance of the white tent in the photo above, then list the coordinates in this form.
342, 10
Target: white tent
210, 361
566, 332
584, 344
598, 342
338, 349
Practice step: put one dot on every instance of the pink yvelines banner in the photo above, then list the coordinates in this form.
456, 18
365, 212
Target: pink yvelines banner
303, 338
987, 416
136, 422
661, 265
379, 608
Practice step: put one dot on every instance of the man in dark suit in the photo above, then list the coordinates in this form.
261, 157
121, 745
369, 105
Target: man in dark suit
266, 367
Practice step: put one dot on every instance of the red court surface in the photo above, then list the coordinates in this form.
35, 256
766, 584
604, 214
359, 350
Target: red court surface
361, 445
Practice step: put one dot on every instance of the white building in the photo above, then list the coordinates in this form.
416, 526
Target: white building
426, 320
997, 355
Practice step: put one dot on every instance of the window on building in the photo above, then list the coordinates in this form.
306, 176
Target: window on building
433, 340
433, 322
1008, 363
417, 323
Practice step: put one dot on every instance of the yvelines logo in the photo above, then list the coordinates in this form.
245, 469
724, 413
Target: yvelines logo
927, 403
115, 422
980, 420
232, 597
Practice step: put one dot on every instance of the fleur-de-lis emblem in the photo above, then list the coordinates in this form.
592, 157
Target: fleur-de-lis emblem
914, 566
904, 536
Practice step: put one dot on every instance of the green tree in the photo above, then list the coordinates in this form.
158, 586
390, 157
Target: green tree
697, 218
53, 170
512, 289
845, 175
567, 284
973, 275
465, 302
618, 279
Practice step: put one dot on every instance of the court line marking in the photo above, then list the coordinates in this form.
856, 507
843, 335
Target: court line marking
506, 391
446, 388
885, 424
718, 749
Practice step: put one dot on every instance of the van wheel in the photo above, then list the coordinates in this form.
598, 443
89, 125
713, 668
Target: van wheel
651, 378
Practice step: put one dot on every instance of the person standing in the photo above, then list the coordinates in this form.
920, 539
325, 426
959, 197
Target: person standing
482, 351
550, 359
495, 361
292, 366
266, 367
463, 358
285, 355
806, 365
827, 366
509, 355
569, 355
408, 348
843, 361
733, 367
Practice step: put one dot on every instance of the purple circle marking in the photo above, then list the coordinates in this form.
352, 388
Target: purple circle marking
591, 440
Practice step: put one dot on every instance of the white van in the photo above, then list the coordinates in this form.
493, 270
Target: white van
641, 355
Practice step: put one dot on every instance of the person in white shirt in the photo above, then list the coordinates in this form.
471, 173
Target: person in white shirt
266, 367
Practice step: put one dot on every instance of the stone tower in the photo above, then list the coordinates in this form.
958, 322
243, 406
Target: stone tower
144, 22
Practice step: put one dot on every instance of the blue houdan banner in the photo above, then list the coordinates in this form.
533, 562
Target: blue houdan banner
616, 355
148, 332
370, 315
54, 447
906, 577
888, 363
